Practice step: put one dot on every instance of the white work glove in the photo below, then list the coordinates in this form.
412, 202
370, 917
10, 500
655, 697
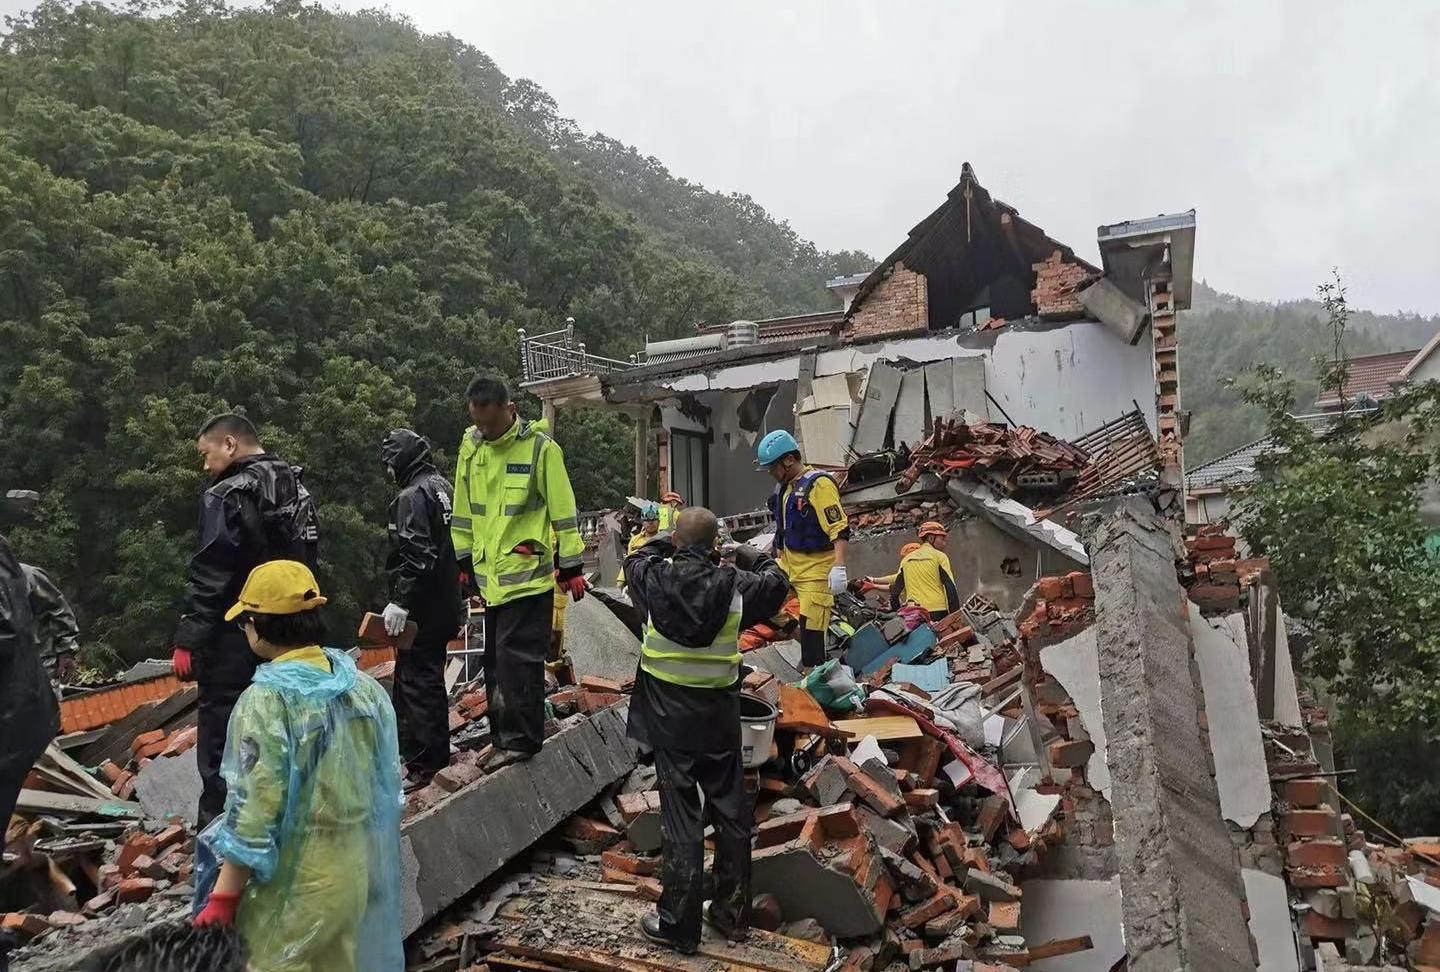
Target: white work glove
395, 617
838, 579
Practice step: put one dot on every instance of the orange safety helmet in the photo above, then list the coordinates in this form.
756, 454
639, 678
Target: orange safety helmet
671, 497
908, 549
930, 528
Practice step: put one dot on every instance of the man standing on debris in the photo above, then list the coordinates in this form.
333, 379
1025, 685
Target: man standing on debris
425, 588
811, 534
308, 848
55, 627
686, 706
29, 713
255, 510
511, 491
671, 504
925, 578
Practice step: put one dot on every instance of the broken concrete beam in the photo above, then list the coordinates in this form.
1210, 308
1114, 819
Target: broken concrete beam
452, 847
990, 887
1182, 896
825, 782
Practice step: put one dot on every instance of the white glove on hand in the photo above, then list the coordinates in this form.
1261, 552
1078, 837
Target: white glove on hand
838, 579
395, 617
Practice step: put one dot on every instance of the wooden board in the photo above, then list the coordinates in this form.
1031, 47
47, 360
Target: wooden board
799, 712
37, 801
883, 728
56, 757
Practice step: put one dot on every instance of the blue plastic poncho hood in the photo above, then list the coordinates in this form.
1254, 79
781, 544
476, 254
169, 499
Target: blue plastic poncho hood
313, 768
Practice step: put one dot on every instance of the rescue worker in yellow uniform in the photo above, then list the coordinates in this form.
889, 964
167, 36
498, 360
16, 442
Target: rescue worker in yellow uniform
649, 526
670, 506
811, 534
511, 492
925, 578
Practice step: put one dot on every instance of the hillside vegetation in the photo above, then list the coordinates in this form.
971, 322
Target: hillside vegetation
332, 221
1224, 337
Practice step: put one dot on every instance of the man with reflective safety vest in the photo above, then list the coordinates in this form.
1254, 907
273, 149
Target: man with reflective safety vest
811, 534
671, 503
686, 706
511, 492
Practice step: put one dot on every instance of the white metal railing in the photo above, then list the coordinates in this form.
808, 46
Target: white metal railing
556, 354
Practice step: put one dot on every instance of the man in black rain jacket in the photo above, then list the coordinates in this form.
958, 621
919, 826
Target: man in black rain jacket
255, 511
686, 707
29, 713
424, 579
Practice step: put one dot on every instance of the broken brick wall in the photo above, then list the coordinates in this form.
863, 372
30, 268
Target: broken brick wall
1057, 287
899, 305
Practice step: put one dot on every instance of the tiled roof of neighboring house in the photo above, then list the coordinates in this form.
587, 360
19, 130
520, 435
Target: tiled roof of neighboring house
1232, 469
1238, 468
1371, 375
776, 329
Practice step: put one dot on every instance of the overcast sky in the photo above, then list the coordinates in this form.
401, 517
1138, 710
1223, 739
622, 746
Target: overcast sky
1303, 132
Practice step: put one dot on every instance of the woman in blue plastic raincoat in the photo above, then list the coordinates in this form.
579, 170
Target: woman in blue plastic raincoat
309, 842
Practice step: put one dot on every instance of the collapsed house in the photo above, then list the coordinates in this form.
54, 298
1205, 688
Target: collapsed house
1101, 762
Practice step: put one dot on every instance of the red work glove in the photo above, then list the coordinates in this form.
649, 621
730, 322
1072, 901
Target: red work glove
219, 910
180, 663
867, 585
572, 581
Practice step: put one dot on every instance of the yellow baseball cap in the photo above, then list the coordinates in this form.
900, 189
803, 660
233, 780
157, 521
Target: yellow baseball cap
278, 587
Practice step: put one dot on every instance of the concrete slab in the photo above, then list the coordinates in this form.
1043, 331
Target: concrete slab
940, 388
1069, 909
1075, 663
1270, 921
910, 409
781, 659
1017, 519
451, 848
598, 642
1238, 749
881, 390
968, 375
1182, 900
1287, 693
170, 786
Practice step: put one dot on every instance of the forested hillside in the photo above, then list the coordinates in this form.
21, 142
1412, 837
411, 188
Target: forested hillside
333, 222
1223, 337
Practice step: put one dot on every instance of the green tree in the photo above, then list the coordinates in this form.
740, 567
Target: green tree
1338, 514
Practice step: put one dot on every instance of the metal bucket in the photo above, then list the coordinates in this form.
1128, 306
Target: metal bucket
757, 729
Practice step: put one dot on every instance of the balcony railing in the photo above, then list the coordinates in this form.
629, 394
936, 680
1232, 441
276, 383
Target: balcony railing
556, 354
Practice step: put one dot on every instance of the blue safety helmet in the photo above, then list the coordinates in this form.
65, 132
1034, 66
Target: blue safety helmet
774, 447
650, 512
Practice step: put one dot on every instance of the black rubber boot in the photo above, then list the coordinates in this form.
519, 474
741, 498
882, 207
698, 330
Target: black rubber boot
650, 928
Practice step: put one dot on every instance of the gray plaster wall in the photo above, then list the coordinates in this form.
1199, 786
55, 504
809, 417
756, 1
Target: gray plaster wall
1069, 909
736, 486
978, 553
1179, 872
1241, 774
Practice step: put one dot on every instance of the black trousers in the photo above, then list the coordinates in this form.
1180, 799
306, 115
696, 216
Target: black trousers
223, 673
812, 647
517, 642
720, 777
422, 712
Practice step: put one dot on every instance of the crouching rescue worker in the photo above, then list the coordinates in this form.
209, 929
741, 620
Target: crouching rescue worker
425, 588
511, 491
309, 843
811, 534
686, 706
925, 578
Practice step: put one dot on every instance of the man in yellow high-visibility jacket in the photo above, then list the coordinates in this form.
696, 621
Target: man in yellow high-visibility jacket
671, 504
925, 577
511, 491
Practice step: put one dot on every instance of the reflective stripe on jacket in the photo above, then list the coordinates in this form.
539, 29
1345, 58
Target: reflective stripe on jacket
510, 495
714, 666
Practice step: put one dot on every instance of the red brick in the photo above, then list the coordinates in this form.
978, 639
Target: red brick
927, 764
1316, 853
594, 683
925, 911
25, 924
151, 750
1309, 823
182, 741
137, 845
1317, 877
1071, 753
1212, 543
1428, 948
1050, 588
1005, 916
110, 773
147, 739
629, 863
584, 828
648, 888
923, 799
1330, 929
1018, 838
1081, 584
875, 796
992, 814
838, 822
930, 958
631, 805
135, 889
1306, 793
592, 702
